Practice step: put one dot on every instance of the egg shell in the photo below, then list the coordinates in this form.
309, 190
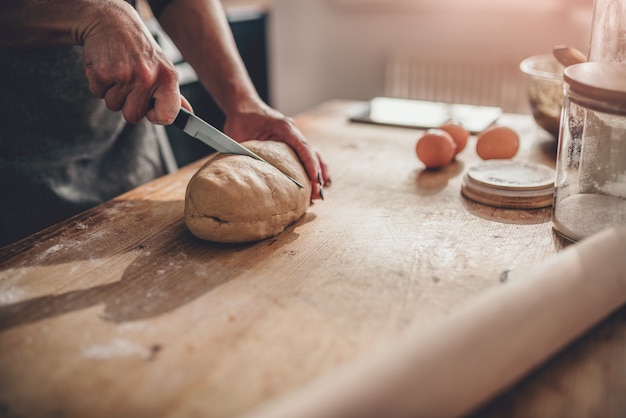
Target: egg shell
497, 142
435, 148
458, 134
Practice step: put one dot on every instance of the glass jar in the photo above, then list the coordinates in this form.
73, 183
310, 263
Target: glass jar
590, 185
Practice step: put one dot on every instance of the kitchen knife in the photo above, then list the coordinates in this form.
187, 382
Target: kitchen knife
201, 130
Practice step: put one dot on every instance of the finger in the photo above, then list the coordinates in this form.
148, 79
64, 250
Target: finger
167, 103
325, 171
136, 105
98, 85
115, 97
313, 168
185, 103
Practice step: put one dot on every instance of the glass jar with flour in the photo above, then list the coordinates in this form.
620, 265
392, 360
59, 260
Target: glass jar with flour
590, 186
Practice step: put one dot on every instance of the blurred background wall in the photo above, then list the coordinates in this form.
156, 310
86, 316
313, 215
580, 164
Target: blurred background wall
353, 49
303, 52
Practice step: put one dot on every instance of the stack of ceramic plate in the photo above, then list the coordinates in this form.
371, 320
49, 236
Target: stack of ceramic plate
510, 184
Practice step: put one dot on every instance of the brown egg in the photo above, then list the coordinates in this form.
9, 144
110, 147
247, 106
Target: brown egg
435, 148
458, 134
497, 143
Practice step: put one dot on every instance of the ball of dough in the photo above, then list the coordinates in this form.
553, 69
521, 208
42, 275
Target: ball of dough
234, 198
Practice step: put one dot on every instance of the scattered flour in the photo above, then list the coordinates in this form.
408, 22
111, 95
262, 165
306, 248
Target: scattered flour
11, 295
117, 348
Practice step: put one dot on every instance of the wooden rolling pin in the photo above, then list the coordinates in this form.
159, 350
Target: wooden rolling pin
458, 363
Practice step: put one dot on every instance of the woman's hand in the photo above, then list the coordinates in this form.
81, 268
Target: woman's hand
266, 123
126, 67
123, 63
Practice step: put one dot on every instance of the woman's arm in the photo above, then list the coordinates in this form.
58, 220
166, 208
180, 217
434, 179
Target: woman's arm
200, 30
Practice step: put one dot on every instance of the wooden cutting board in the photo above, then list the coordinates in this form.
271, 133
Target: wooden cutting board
120, 311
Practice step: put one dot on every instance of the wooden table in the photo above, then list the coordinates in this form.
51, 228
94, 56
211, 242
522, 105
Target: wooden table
121, 312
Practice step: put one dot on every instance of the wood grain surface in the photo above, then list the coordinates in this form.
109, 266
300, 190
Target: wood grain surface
121, 312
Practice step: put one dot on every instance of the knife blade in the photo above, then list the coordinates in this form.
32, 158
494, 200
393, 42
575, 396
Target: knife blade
216, 139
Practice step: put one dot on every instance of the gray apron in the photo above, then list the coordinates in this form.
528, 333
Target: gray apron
61, 150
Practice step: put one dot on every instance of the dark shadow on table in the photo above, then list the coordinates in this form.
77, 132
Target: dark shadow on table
433, 181
171, 269
507, 216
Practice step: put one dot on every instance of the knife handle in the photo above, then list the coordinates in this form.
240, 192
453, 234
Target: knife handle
181, 119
